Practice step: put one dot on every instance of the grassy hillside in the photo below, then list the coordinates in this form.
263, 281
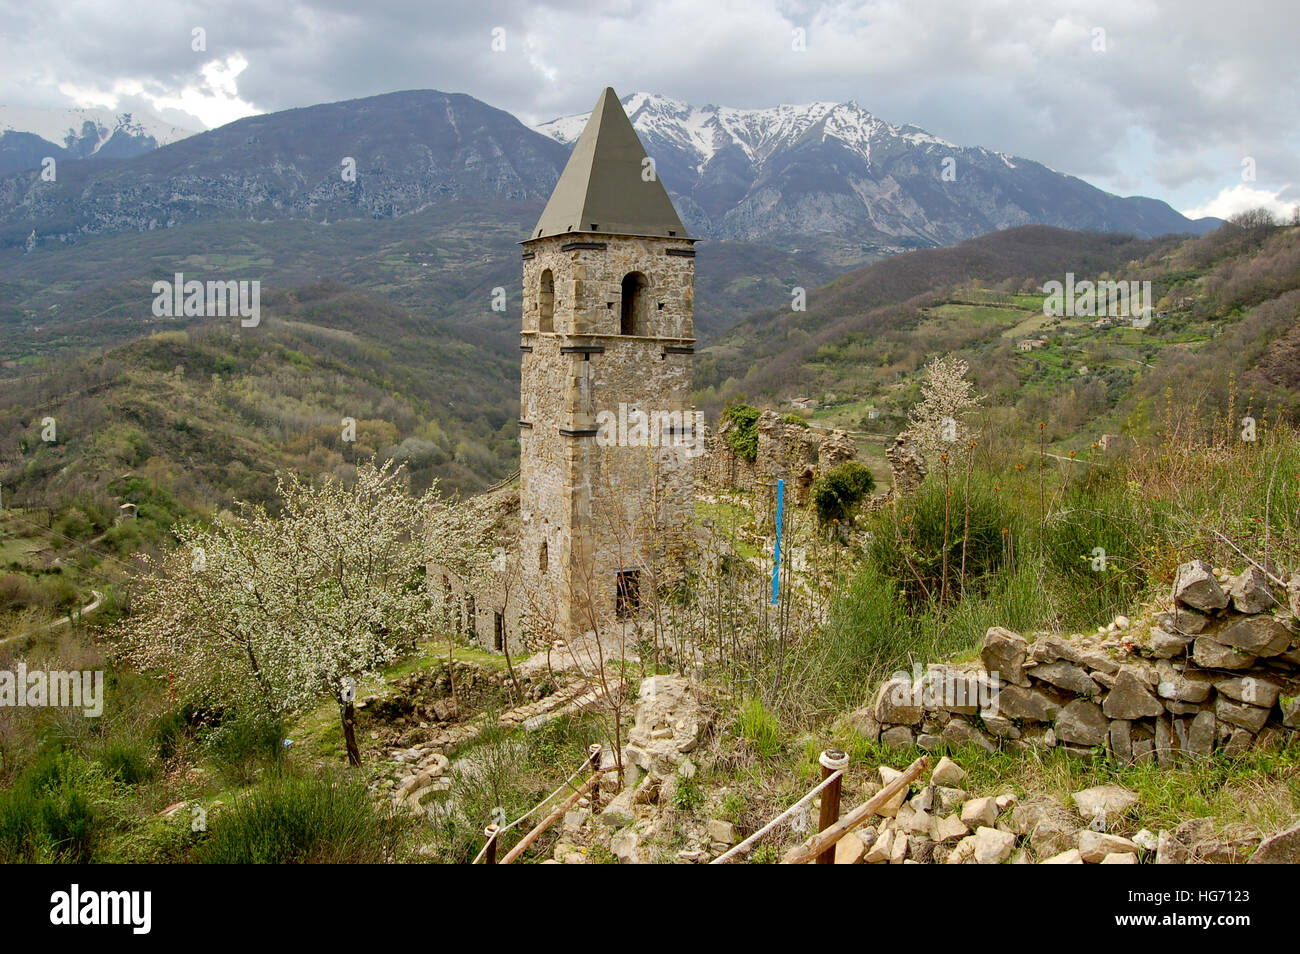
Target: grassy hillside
184, 422
1226, 307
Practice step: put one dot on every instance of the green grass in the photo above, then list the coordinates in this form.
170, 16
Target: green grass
308, 820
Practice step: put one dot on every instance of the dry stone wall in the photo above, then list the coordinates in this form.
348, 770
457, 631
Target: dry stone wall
1216, 672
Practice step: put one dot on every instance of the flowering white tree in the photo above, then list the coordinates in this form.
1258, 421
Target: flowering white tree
282, 610
940, 421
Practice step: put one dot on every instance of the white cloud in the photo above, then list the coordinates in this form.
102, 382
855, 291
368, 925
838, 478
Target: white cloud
1242, 198
216, 101
213, 101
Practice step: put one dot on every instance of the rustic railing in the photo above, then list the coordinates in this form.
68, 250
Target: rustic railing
819, 847
831, 828
493, 833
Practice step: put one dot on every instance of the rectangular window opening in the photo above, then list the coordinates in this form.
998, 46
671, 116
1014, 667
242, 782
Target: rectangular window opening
627, 597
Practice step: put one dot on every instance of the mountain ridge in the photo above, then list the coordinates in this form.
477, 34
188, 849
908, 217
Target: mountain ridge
825, 171
28, 136
857, 173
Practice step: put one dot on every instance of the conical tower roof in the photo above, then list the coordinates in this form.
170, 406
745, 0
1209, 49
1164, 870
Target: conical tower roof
602, 189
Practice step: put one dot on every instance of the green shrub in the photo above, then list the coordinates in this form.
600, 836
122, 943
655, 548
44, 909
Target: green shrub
687, 793
48, 814
57, 592
172, 728
869, 634
310, 820
75, 522
128, 762
244, 741
836, 494
743, 436
907, 541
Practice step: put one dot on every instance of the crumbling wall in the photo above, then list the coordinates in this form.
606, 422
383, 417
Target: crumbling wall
1216, 672
786, 451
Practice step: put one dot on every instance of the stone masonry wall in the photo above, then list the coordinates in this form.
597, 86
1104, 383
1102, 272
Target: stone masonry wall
1218, 671
592, 506
798, 455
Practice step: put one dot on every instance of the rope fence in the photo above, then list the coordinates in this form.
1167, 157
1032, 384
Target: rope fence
493, 833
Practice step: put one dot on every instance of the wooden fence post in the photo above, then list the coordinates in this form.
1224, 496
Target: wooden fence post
491, 832
594, 759
832, 761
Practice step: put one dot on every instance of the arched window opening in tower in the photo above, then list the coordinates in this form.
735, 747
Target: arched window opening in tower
543, 559
546, 302
631, 318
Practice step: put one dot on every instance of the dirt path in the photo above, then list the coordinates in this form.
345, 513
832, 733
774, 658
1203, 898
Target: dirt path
84, 611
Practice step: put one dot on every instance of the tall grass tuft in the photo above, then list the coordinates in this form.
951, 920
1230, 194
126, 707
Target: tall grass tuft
303, 820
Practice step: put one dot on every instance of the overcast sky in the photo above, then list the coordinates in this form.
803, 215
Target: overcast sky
1166, 98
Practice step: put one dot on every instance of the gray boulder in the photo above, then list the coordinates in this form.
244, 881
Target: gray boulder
1196, 586
1130, 698
1209, 653
1082, 723
1257, 635
1004, 652
1252, 592
1280, 849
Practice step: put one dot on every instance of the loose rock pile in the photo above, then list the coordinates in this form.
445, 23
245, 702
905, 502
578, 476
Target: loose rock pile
412, 708
1216, 672
943, 824
415, 769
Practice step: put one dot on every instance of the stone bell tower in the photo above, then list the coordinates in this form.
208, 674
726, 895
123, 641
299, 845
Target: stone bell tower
607, 431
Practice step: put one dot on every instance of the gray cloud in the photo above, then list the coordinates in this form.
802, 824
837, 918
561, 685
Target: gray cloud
1180, 93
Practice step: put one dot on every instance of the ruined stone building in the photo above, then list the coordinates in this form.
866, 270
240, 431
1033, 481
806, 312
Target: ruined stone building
608, 328
607, 336
795, 453
610, 446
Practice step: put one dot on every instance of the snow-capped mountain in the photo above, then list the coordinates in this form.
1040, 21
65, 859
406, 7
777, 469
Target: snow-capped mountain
781, 175
835, 168
27, 136
758, 133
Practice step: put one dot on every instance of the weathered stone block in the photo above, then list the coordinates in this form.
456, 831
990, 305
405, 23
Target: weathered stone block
1121, 740
1251, 591
1082, 723
1257, 635
898, 702
1129, 699
1004, 652
1252, 690
1197, 586
1212, 654
1251, 718
1066, 676
1028, 705
960, 732
1201, 735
